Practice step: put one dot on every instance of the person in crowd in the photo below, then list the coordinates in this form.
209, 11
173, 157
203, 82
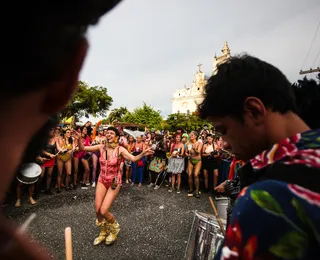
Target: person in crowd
109, 182
193, 152
176, 163
96, 139
210, 162
83, 157
138, 166
158, 161
65, 146
128, 164
49, 153
252, 104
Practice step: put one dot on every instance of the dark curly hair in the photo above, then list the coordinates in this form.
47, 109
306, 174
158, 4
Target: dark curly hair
243, 76
41, 37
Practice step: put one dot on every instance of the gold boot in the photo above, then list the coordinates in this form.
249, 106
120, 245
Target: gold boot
103, 232
114, 229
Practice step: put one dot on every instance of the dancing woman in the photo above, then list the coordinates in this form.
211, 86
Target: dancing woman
109, 181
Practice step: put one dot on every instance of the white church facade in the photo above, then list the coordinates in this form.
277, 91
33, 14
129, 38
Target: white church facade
186, 100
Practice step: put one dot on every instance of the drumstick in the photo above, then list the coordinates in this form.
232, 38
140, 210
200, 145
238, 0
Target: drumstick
215, 212
68, 242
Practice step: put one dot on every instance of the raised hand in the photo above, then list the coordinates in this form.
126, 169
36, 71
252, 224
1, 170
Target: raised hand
148, 151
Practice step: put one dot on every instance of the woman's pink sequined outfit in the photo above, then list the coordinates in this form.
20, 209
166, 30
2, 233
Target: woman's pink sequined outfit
110, 168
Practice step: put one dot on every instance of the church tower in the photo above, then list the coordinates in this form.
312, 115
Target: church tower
222, 58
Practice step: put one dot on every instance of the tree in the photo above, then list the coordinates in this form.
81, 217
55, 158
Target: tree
87, 101
117, 114
187, 122
145, 115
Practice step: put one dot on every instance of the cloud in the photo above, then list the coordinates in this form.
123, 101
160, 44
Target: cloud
145, 50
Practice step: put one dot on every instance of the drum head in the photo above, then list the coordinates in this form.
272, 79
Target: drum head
29, 173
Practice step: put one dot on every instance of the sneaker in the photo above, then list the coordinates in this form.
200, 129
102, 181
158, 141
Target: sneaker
190, 193
156, 187
93, 184
151, 185
88, 184
170, 189
84, 187
178, 191
197, 194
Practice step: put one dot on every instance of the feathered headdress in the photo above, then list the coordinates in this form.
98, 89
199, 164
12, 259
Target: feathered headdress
94, 132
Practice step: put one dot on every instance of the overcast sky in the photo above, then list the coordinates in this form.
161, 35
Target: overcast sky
146, 49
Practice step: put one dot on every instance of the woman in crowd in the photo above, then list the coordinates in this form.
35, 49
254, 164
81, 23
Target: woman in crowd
49, 153
83, 157
176, 163
128, 164
65, 146
210, 161
109, 182
139, 165
96, 139
193, 151
158, 161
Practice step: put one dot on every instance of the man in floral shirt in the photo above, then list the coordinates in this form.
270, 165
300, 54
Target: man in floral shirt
277, 214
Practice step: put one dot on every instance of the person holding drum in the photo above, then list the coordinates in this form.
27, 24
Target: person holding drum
176, 163
49, 154
193, 152
109, 181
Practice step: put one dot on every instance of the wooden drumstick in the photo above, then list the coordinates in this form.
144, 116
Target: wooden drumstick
68, 241
215, 212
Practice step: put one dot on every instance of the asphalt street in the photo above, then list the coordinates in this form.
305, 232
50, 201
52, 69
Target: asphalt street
155, 224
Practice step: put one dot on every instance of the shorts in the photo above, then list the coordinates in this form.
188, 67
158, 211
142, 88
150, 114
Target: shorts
48, 163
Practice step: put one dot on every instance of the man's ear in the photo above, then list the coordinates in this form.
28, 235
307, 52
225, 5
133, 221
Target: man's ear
60, 92
254, 110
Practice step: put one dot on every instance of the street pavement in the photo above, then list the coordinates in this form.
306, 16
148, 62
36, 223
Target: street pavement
155, 224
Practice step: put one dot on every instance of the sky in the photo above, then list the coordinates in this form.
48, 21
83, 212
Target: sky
143, 50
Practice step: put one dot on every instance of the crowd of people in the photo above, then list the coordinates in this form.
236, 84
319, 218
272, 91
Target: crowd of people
196, 155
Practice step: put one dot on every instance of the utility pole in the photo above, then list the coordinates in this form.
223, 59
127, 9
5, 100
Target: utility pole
309, 71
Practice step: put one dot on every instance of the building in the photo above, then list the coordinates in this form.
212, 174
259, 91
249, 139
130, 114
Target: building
186, 100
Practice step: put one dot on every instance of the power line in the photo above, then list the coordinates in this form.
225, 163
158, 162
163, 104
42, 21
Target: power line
314, 62
314, 37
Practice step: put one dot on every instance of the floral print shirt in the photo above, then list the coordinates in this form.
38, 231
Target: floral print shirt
274, 219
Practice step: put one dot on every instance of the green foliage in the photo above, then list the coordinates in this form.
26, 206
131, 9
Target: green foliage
87, 101
117, 114
145, 115
188, 122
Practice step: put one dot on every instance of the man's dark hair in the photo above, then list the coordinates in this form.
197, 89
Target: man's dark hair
115, 130
41, 38
241, 77
307, 93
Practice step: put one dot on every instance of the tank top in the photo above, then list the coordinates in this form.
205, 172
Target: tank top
50, 148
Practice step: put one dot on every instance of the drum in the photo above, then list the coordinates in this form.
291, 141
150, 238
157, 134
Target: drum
29, 173
222, 205
205, 237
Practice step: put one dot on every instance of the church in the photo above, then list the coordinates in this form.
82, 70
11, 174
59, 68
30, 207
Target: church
186, 100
